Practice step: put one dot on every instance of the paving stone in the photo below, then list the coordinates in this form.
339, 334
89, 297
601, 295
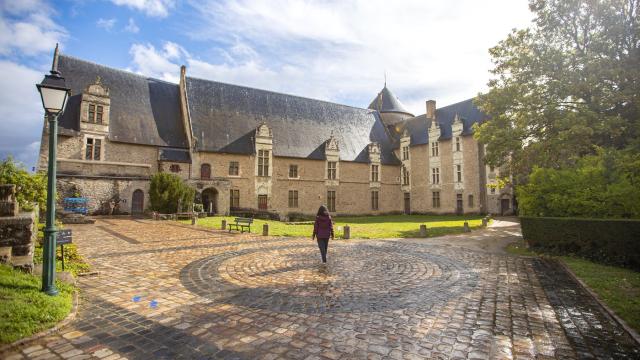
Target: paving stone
242, 296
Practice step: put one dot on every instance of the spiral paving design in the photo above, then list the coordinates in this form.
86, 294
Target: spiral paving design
359, 277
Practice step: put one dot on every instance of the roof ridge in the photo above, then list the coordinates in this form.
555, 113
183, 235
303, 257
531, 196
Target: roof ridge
281, 93
459, 102
116, 69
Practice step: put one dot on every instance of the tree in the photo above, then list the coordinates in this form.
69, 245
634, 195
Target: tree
30, 188
167, 190
565, 86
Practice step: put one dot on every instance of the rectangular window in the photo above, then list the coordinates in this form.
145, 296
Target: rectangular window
435, 200
491, 168
262, 202
331, 170
92, 113
92, 151
293, 171
293, 198
331, 200
459, 173
405, 153
434, 148
235, 198
374, 200
99, 114
470, 200
263, 162
493, 190
234, 168
405, 176
374, 173
435, 175
457, 143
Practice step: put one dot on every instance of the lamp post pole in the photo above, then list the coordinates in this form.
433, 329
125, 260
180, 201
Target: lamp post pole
54, 94
49, 253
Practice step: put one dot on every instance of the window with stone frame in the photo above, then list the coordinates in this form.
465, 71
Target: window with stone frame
234, 168
435, 199
293, 198
435, 175
293, 172
332, 167
434, 149
263, 162
174, 168
470, 200
405, 153
457, 143
95, 113
92, 149
374, 200
205, 171
493, 190
405, 176
375, 173
459, 173
234, 198
331, 200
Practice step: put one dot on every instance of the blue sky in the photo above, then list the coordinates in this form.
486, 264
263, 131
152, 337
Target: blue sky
335, 50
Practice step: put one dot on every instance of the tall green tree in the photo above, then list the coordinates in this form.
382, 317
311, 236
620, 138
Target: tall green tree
30, 188
167, 190
568, 84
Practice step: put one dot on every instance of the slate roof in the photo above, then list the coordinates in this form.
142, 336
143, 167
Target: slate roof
175, 155
224, 118
418, 126
143, 110
390, 102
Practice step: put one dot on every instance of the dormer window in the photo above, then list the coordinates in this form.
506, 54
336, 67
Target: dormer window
434, 148
457, 143
95, 113
405, 153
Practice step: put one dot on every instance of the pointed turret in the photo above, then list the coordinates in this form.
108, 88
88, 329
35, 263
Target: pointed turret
389, 106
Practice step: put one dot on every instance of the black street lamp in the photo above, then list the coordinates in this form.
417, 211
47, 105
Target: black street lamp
54, 94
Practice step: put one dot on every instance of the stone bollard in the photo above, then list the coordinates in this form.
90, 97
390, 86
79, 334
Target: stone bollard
466, 227
224, 225
347, 232
423, 230
485, 221
265, 230
193, 220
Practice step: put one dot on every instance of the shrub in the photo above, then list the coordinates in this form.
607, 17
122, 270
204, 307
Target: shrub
167, 190
606, 185
30, 188
609, 241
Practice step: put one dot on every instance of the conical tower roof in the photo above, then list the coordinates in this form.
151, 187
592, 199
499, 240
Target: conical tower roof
386, 101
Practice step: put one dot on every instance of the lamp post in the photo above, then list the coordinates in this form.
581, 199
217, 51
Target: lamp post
54, 94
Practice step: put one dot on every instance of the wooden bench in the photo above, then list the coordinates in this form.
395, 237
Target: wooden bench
240, 224
185, 216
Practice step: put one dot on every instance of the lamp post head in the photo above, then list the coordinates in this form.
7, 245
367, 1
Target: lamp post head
53, 90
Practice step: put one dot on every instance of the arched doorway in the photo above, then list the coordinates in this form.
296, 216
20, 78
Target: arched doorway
210, 200
137, 202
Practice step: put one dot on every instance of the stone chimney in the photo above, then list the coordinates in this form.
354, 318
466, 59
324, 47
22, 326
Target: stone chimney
431, 109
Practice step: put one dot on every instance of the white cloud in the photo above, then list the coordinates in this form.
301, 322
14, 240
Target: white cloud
132, 27
21, 112
156, 8
156, 63
339, 50
30, 36
106, 24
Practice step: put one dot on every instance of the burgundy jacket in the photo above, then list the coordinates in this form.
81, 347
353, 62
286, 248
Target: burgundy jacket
323, 227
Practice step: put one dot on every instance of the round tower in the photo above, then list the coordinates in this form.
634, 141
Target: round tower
390, 108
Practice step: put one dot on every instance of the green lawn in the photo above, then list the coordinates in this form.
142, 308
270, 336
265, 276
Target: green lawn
24, 310
619, 288
364, 227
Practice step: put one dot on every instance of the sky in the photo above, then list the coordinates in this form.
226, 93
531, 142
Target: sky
334, 50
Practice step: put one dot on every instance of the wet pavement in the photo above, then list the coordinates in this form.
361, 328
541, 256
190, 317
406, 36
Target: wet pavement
170, 291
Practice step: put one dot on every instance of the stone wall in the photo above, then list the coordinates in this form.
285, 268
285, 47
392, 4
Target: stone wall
18, 233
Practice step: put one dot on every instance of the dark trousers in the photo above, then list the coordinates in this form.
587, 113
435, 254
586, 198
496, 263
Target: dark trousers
323, 244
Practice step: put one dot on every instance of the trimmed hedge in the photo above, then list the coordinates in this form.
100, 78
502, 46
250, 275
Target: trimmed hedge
609, 241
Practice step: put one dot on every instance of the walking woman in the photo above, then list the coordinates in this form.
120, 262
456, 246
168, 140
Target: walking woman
322, 229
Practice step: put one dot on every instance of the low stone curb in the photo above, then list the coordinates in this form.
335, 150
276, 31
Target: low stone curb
611, 313
66, 321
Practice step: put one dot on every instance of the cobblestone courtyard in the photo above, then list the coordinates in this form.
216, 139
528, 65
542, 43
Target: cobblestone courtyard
171, 291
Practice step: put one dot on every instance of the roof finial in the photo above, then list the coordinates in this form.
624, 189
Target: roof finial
385, 78
54, 65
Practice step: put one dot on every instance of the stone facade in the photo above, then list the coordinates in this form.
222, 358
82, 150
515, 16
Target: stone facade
18, 231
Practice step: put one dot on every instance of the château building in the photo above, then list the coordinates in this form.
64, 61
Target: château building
241, 147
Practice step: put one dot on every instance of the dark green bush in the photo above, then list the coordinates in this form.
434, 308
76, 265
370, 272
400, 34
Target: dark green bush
30, 188
167, 190
609, 241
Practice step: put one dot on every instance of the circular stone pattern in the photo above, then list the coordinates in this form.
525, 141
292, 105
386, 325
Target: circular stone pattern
359, 277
